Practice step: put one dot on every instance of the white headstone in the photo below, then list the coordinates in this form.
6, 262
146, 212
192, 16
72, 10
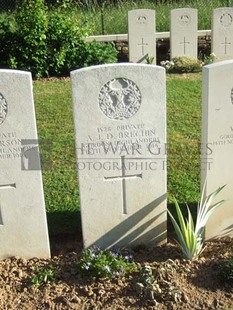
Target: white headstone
217, 143
141, 35
183, 30
23, 226
222, 33
120, 127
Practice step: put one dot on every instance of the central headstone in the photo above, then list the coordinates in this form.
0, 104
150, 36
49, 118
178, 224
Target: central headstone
222, 33
183, 32
141, 35
23, 225
217, 143
120, 127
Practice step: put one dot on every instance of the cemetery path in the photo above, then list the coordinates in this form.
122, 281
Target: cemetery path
181, 284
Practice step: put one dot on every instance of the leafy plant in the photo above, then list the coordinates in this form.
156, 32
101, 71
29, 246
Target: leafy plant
182, 64
150, 59
226, 270
106, 264
157, 282
100, 53
190, 236
30, 52
43, 275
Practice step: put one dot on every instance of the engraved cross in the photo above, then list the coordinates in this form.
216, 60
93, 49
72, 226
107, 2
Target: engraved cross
142, 45
226, 43
5, 186
184, 45
123, 179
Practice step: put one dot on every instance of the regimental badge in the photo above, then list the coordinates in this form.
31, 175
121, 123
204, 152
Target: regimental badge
119, 99
3, 108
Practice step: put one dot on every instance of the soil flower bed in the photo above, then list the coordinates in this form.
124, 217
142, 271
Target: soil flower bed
164, 280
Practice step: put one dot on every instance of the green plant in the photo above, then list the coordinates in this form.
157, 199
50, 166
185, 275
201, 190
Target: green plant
156, 282
150, 59
183, 64
100, 53
30, 52
190, 237
43, 275
209, 59
226, 270
106, 264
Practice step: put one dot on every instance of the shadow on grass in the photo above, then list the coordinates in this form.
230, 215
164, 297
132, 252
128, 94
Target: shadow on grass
64, 222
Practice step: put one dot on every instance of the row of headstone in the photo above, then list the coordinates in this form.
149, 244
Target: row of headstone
183, 33
120, 133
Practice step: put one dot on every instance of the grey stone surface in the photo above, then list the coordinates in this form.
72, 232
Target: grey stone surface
183, 30
120, 128
222, 33
217, 143
23, 226
141, 35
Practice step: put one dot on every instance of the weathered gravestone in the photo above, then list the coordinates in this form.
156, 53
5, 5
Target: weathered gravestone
217, 143
23, 227
222, 33
120, 127
141, 35
183, 31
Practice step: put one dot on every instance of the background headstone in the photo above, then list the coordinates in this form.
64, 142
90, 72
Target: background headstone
23, 226
222, 33
217, 143
183, 31
141, 35
120, 129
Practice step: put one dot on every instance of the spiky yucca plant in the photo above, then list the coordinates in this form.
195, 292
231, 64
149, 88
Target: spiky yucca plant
190, 236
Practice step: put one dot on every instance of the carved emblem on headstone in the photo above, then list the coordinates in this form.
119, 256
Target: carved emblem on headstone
226, 20
119, 99
232, 95
3, 109
185, 19
141, 19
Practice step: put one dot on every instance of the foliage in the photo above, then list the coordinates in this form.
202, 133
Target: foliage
66, 46
106, 264
156, 282
226, 270
190, 237
43, 275
207, 59
30, 51
49, 42
182, 64
99, 53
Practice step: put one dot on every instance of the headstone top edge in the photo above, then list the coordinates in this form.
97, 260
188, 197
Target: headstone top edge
184, 9
223, 9
112, 66
19, 72
218, 64
138, 10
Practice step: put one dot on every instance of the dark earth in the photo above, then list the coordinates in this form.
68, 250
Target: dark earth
179, 283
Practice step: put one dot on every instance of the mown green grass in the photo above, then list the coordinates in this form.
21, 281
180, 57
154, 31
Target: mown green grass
55, 125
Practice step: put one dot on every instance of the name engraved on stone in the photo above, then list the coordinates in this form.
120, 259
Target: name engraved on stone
184, 43
3, 108
226, 20
226, 43
185, 19
123, 178
141, 19
5, 186
119, 99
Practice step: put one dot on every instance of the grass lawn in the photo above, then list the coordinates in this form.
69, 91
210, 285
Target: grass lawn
55, 129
